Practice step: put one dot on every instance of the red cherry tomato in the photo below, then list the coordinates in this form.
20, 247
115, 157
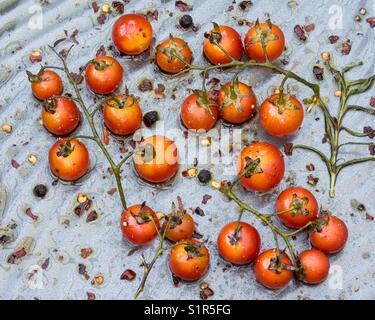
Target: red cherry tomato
181, 227
315, 266
45, 84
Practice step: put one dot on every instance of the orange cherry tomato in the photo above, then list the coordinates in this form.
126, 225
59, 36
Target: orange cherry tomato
69, 160
181, 227
315, 266
268, 173
60, 115
271, 274
331, 236
274, 38
132, 34
137, 226
228, 38
122, 115
45, 84
157, 161
238, 243
281, 116
197, 114
166, 55
304, 207
104, 75
237, 102
189, 260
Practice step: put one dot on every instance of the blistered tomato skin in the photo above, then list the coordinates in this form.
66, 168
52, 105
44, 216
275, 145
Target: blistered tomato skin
46, 85
315, 266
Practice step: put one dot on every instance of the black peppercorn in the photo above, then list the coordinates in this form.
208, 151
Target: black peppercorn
186, 21
204, 176
150, 118
40, 190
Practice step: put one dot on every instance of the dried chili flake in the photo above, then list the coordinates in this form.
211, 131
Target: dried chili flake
371, 21
15, 256
159, 91
205, 199
82, 270
81, 208
244, 5
112, 191
206, 293
36, 56
133, 250
128, 275
91, 295
183, 6
300, 33
369, 217
145, 85
288, 148
197, 235
371, 149
101, 52
58, 41
15, 164
92, 216
310, 167
29, 213
372, 102
333, 39
311, 180
318, 72
95, 7
346, 47
102, 18
199, 211
309, 27
86, 252
45, 264
73, 36
118, 6
77, 77
176, 280
369, 131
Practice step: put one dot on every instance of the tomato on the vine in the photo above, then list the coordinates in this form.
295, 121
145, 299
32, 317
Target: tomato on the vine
189, 260
273, 271
45, 84
302, 204
122, 115
273, 37
104, 75
157, 159
139, 224
221, 41
60, 115
173, 55
237, 102
266, 174
238, 243
281, 115
132, 34
69, 159
181, 226
314, 266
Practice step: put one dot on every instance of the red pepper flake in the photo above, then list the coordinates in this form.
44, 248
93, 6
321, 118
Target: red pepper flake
102, 18
91, 295
369, 131
105, 136
199, 211
101, 52
86, 252
159, 91
152, 15
92, 216
372, 102
112, 191
45, 264
81, 208
73, 36
95, 7
206, 293
310, 167
300, 33
311, 180
371, 21
36, 56
309, 27
346, 47
82, 270
183, 6
288, 148
333, 39
318, 72
15, 256
371, 149
128, 275
176, 280
197, 235
58, 41
133, 250
369, 217
29, 213
78, 78
118, 6
15, 164
205, 199
145, 85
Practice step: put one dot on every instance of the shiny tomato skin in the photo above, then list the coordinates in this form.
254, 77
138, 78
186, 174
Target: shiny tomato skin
180, 232
280, 124
64, 119
332, 237
72, 167
274, 47
123, 120
132, 34
245, 249
270, 278
297, 220
230, 41
315, 266
164, 166
196, 117
106, 80
185, 268
229, 112
271, 164
48, 85
139, 233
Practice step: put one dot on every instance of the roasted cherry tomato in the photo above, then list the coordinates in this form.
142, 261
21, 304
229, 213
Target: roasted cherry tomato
330, 235
272, 271
199, 112
173, 55
181, 226
45, 84
137, 225
273, 37
132, 34
281, 115
122, 115
314, 266
189, 260
157, 160
266, 174
60, 115
238, 243
219, 38
69, 159
302, 204
104, 75
237, 102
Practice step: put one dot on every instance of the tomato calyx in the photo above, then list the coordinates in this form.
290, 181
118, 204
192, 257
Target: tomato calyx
263, 35
65, 149
214, 36
173, 51
34, 78
193, 250
100, 65
147, 152
122, 102
50, 105
204, 101
235, 237
277, 265
283, 102
298, 205
233, 96
142, 217
323, 220
176, 217
251, 167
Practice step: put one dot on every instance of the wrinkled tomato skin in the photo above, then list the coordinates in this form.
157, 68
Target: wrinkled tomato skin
64, 120
274, 47
229, 112
72, 167
122, 121
188, 269
280, 124
315, 265
195, 117
135, 233
245, 250
165, 164
230, 41
104, 81
132, 34
332, 237
271, 164
285, 200
269, 278
49, 85
183, 231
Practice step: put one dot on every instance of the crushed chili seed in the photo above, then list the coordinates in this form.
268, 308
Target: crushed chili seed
92, 216
91, 296
205, 199
310, 167
145, 85
199, 211
318, 72
183, 6
369, 217
288, 148
371, 21
346, 47
311, 180
333, 39
15, 164
29, 213
128, 275
86, 252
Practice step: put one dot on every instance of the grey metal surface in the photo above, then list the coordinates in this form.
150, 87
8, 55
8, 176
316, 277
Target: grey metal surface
62, 244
